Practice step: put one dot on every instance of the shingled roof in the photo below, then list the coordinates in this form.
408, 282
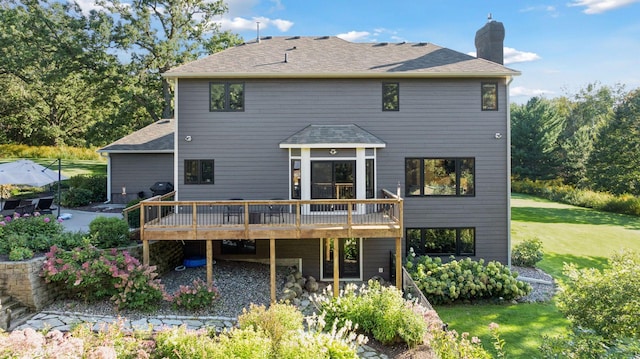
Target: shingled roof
332, 57
325, 136
155, 138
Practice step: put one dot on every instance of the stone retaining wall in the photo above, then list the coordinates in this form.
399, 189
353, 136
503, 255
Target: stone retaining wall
22, 280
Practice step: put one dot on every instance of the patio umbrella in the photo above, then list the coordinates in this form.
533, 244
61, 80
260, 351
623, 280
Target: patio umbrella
29, 173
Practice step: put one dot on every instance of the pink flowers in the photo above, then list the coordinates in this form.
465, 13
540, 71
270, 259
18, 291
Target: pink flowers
47, 219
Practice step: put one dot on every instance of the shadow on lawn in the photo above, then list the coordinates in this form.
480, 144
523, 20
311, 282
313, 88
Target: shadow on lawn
552, 263
573, 216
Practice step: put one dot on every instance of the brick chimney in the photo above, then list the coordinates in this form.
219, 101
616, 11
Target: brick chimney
490, 41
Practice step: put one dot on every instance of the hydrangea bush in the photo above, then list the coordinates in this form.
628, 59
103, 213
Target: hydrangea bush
21, 236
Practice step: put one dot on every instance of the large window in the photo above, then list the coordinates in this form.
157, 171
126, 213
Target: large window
226, 96
489, 96
442, 241
390, 96
440, 177
198, 171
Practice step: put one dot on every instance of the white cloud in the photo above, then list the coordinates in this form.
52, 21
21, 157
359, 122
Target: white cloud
243, 24
354, 35
527, 92
512, 56
88, 5
600, 6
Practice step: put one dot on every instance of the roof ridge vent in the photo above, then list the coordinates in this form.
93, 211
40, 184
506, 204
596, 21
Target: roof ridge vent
421, 44
381, 44
323, 38
267, 37
294, 38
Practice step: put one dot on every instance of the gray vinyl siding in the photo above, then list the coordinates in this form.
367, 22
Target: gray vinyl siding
138, 172
437, 118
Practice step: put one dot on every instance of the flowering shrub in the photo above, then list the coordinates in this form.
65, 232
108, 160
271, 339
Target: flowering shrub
199, 295
527, 253
31, 233
91, 274
377, 310
20, 254
451, 345
464, 279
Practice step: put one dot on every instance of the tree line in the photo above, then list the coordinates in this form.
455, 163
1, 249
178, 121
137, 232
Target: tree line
589, 140
79, 77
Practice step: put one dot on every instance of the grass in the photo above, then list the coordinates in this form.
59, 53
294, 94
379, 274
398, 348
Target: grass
521, 325
569, 234
69, 168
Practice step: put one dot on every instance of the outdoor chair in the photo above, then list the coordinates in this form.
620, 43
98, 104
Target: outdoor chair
234, 211
25, 209
44, 205
276, 210
10, 206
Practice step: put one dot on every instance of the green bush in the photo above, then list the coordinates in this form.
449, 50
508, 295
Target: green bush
377, 310
586, 344
451, 345
133, 217
109, 232
604, 301
35, 233
528, 253
464, 279
20, 254
76, 197
96, 184
276, 322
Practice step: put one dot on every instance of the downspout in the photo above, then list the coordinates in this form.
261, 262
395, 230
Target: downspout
108, 176
510, 79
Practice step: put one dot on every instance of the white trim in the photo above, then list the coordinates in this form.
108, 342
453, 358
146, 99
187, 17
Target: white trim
360, 264
108, 179
333, 145
339, 75
508, 173
135, 151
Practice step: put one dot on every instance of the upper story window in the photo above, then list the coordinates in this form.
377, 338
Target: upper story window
226, 96
440, 176
489, 96
390, 96
198, 171
441, 241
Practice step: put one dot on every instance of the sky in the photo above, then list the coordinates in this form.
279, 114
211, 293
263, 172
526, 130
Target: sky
559, 46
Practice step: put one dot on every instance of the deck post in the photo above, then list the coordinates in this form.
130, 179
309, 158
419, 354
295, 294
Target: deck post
209, 262
272, 267
336, 267
399, 263
145, 242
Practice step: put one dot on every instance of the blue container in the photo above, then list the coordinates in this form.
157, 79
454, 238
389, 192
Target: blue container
193, 262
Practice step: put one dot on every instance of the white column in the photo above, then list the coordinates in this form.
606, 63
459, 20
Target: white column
305, 177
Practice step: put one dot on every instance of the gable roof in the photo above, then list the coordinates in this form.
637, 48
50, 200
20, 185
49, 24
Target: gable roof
332, 57
155, 138
327, 136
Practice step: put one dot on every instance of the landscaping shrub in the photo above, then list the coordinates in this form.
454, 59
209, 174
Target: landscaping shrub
451, 345
96, 184
109, 232
376, 310
276, 322
20, 254
528, 253
464, 279
30, 234
558, 192
586, 344
133, 217
91, 274
604, 301
76, 197
198, 295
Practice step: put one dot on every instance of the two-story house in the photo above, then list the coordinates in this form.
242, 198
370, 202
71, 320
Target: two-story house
318, 131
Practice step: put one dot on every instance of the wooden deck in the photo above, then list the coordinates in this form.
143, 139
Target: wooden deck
286, 219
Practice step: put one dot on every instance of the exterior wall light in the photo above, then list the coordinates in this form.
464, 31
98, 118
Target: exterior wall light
498, 135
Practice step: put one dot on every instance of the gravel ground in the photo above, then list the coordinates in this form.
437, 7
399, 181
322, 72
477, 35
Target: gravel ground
239, 284
243, 283
541, 292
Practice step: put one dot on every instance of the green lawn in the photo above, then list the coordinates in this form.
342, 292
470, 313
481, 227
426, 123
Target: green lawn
569, 234
69, 167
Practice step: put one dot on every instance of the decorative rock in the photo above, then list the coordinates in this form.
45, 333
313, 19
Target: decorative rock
311, 286
297, 275
297, 289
